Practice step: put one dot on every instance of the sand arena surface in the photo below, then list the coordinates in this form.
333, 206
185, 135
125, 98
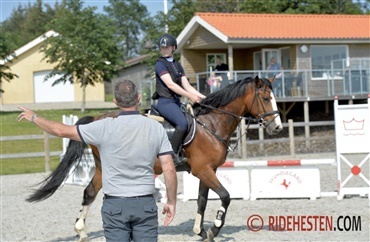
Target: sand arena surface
53, 219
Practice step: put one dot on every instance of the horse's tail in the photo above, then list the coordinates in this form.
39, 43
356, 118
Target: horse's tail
73, 155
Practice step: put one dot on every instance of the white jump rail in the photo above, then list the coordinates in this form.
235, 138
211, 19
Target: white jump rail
300, 162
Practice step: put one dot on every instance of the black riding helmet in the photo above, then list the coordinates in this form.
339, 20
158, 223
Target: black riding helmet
167, 40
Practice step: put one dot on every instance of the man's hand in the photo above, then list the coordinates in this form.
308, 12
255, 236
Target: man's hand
169, 211
26, 114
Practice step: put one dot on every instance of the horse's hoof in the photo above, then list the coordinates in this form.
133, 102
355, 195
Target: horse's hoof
208, 240
84, 239
203, 234
82, 234
210, 235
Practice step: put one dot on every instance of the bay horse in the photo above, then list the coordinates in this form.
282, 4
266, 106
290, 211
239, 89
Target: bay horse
217, 116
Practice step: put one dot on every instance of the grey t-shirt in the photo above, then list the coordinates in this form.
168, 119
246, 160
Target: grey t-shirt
128, 146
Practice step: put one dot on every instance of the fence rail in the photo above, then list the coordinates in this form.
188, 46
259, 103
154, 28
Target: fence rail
291, 139
45, 154
24, 137
238, 139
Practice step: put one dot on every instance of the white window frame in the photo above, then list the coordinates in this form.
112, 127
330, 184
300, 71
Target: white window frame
211, 66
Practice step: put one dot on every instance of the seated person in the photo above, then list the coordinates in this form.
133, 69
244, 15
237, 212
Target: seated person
214, 82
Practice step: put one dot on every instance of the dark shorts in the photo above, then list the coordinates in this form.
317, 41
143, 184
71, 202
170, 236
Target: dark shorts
126, 219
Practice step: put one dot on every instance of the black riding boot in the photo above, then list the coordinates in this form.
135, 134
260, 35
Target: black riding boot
176, 141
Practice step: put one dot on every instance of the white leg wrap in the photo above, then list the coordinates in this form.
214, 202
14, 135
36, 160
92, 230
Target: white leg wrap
80, 224
198, 219
218, 220
80, 230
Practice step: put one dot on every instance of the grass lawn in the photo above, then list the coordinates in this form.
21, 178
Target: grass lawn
10, 127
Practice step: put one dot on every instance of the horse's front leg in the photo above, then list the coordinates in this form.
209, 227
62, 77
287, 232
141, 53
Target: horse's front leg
90, 193
221, 213
202, 204
209, 179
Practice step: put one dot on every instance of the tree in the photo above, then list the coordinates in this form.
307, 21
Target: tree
85, 50
178, 16
365, 6
219, 6
302, 6
129, 26
6, 56
27, 23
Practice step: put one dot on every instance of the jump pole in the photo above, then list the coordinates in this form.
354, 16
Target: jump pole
269, 163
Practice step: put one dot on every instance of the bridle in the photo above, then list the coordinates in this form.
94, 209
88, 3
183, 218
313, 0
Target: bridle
260, 117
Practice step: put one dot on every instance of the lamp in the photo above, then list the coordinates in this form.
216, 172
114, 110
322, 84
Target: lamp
303, 48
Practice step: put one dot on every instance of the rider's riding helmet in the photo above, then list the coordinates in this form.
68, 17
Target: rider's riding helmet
167, 40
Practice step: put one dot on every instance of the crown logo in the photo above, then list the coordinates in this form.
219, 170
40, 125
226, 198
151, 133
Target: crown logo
354, 124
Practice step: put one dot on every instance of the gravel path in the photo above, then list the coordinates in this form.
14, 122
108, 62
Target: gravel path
53, 219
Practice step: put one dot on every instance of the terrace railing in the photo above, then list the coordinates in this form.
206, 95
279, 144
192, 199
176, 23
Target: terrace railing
315, 83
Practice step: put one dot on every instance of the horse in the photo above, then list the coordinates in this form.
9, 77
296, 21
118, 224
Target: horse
217, 116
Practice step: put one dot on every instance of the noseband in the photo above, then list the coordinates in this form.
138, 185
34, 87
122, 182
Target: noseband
261, 117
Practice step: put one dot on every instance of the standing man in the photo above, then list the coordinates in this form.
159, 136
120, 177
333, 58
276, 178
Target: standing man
221, 69
221, 66
275, 68
128, 146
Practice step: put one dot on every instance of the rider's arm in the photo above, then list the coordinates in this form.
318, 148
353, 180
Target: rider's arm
189, 88
167, 79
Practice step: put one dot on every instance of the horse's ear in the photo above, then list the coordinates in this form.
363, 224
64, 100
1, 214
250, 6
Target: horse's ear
258, 81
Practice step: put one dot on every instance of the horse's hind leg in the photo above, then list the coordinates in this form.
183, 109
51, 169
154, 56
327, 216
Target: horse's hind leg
202, 204
90, 193
210, 180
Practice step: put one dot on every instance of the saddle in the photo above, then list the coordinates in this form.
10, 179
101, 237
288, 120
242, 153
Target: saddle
170, 129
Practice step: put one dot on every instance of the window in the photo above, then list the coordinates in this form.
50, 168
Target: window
325, 58
211, 60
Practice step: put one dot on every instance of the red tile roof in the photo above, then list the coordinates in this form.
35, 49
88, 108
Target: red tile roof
291, 26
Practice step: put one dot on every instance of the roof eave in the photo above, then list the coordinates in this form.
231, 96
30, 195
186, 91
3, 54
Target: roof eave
296, 41
189, 29
30, 45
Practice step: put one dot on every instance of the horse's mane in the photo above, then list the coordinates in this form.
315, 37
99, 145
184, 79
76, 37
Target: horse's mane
226, 95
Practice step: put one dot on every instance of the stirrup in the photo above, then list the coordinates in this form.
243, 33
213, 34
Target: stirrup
179, 160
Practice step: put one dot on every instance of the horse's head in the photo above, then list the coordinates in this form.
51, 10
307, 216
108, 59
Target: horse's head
264, 106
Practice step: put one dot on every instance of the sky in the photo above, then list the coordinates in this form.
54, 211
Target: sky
6, 6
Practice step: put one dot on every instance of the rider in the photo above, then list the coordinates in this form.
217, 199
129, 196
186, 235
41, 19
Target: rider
171, 84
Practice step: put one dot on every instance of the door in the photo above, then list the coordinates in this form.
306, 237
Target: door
46, 93
257, 61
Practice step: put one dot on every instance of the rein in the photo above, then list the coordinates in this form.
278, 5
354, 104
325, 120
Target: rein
260, 120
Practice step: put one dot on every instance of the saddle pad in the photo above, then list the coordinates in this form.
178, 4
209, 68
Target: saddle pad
192, 128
